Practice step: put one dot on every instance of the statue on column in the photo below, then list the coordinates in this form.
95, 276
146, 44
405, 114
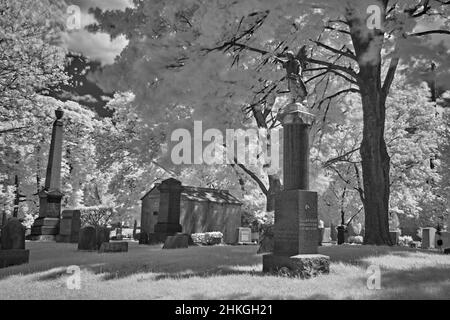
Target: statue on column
294, 65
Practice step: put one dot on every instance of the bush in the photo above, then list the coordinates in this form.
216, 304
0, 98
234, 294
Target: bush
96, 216
405, 241
208, 238
356, 239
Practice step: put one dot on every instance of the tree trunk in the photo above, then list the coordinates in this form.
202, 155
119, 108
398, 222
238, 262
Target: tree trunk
374, 155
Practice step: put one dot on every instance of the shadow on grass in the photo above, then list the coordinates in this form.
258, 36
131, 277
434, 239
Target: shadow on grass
418, 283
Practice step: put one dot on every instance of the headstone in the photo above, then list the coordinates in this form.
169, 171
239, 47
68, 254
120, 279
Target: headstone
428, 238
102, 235
244, 236
333, 233
395, 235
326, 238
169, 209
70, 226
113, 247
178, 241
46, 226
13, 251
13, 235
445, 237
88, 239
296, 219
341, 234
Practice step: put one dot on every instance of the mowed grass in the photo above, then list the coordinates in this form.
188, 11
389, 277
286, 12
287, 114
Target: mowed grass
222, 272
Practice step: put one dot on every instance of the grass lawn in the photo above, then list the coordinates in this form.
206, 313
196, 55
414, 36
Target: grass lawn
224, 272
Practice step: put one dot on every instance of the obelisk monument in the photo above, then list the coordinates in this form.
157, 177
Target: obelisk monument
46, 226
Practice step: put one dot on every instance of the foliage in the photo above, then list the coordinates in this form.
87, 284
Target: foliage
208, 238
96, 216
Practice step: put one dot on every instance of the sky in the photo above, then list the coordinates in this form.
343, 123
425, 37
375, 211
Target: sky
95, 46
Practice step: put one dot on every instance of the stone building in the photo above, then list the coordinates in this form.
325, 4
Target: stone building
169, 208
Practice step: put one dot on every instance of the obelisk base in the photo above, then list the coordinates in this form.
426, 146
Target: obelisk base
304, 266
44, 229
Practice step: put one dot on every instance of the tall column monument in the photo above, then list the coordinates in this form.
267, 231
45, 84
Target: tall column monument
46, 226
296, 218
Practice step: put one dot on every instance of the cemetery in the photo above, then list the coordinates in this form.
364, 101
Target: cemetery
352, 203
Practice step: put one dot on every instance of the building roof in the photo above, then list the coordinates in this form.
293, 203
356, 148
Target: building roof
204, 194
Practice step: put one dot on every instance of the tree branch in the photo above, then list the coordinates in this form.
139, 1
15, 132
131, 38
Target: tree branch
389, 77
424, 33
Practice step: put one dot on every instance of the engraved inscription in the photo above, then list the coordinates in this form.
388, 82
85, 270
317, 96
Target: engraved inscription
308, 224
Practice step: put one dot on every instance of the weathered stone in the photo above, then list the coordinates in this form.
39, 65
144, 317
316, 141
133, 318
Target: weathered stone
303, 266
102, 235
395, 235
13, 235
88, 239
333, 233
70, 226
13, 257
178, 241
445, 237
50, 196
113, 247
321, 232
326, 237
428, 238
296, 223
244, 236
340, 235
169, 208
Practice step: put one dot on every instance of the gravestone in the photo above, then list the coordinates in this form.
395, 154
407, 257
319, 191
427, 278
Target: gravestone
395, 236
178, 241
333, 233
12, 250
428, 238
91, 238
169, 209
88, 239
70, 225
326, 238
445, 237
13, 235
113, 247
296, 219
244, 236
46, 226
102, 236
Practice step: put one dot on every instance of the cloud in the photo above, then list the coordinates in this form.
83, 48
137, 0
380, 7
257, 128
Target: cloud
96, 46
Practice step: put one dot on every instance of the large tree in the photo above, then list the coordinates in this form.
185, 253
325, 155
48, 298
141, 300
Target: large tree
218, 57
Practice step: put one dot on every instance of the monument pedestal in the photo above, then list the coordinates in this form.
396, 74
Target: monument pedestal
296, 237
44, 229
304, 266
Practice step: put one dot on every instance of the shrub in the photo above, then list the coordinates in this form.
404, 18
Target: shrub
405, 241
208, 238
356, 239
98, 216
